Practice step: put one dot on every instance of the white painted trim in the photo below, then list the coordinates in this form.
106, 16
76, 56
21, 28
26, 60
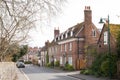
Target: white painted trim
70, 40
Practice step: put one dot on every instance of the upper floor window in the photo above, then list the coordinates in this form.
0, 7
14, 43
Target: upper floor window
93, 33
70, 46
61, 47
105, 37
65, 47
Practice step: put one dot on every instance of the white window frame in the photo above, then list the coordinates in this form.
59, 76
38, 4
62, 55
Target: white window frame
61, 60
105, 37
71, 33
70, 46
70, 60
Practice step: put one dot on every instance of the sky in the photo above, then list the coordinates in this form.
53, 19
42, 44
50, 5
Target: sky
73, 13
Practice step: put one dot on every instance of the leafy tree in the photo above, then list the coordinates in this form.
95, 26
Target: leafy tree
118, 45
22, 52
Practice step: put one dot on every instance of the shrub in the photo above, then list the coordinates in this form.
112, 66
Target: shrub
82, 71
28, 62
70, 68
57, 64
48, 65
86, 72
101, 66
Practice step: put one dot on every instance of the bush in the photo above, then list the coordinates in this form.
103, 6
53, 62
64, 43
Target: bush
57, 64
100, 66
86, 72
48, 65
82, 71
28, 62
68, 67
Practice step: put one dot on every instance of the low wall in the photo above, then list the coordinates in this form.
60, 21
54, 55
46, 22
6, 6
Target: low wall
7, 71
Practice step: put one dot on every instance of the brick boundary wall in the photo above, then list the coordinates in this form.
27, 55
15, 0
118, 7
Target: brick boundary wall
7, 71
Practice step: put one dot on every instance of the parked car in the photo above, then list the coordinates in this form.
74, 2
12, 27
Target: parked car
20, 64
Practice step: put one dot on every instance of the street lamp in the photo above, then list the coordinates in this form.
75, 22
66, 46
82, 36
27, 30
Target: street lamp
109, 50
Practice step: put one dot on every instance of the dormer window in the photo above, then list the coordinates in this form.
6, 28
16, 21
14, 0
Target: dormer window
55, 39
66, 35
71, 33
61, 36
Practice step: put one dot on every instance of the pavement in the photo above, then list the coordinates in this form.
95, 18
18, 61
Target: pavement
76, 74
21, 75
89, 77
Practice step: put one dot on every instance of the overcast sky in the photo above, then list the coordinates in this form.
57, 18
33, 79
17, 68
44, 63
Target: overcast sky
73, 13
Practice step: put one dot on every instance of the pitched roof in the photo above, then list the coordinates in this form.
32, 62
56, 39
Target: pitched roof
74, 29
114, 29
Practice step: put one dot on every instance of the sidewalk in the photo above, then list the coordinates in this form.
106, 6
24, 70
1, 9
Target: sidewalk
21, 75
76, 74
89, 77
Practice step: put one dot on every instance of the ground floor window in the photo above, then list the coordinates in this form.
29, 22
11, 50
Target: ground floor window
70, 60
60, 60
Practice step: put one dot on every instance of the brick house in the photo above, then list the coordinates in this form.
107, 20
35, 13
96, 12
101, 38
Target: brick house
103, 39
69, 46
31, 54
43, 53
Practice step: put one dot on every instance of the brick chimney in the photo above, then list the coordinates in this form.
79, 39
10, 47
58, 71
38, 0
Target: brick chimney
56, 32
87, 15
47, 43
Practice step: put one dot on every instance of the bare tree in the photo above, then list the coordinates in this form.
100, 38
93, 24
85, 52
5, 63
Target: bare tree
17, 17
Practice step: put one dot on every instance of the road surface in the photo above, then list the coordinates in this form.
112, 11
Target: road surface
42, 73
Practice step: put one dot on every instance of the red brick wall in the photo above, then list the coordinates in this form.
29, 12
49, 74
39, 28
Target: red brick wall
104, 48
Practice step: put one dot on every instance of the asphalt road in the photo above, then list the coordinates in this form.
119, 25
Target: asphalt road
42, 73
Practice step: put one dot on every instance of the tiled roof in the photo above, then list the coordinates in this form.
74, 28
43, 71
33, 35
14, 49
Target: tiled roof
75, 29
114, 29
52, 43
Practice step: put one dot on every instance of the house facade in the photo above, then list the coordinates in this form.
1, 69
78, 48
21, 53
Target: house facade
43, 53
32, 53
103, 39
69, 46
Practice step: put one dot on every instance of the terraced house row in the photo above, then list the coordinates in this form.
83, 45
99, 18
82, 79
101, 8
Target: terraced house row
74, 44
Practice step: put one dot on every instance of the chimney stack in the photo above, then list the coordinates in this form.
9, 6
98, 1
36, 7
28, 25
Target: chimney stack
47, 43
87, 15
56, 32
